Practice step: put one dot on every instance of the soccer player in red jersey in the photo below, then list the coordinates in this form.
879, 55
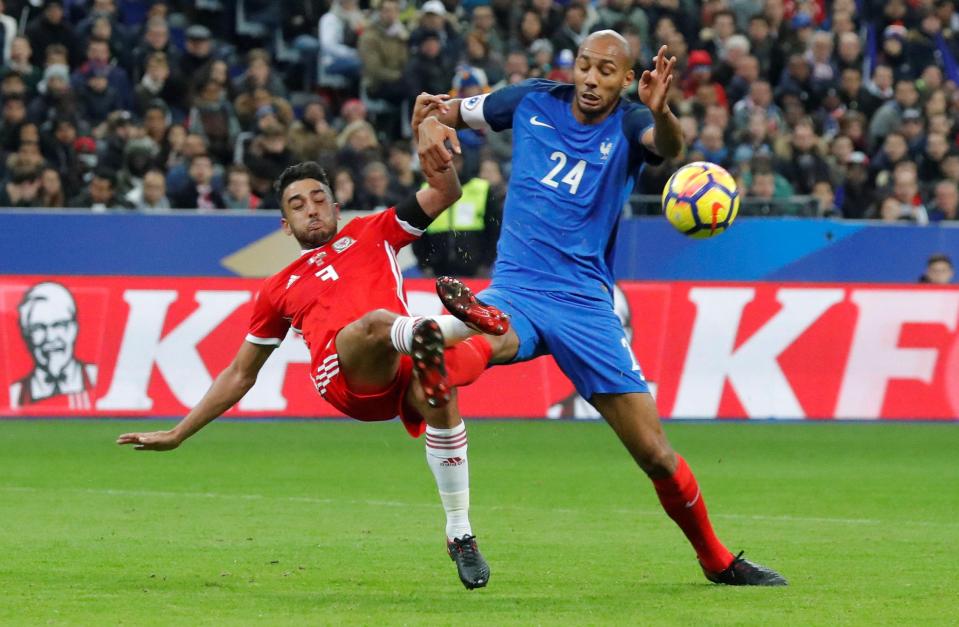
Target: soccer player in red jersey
369, 358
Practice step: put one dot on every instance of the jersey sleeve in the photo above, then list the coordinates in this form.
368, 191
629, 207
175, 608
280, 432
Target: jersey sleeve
495, 111
267, 326
393, 228
636, 122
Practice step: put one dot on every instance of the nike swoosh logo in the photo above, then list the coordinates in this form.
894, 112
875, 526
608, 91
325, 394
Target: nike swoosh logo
536, 122
695, 498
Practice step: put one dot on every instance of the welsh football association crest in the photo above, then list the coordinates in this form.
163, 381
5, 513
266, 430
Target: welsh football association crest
342, 244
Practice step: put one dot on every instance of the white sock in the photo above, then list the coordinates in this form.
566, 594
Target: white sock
454, 330
446, 457
401, 334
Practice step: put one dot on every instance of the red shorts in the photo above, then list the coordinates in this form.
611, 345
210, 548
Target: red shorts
385, 404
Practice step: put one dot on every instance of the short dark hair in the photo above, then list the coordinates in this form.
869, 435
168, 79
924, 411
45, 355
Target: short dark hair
299, 172
939, 257
107, 174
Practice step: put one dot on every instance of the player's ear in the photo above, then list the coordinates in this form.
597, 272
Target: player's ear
336, 210
628, 79
285, 225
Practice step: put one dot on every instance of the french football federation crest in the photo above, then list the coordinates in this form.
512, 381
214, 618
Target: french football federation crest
605, 149
342, 244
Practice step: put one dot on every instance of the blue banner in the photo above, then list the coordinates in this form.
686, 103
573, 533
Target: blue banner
211, 245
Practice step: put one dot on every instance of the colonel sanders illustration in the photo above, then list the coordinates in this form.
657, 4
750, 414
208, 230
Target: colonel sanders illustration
48, 324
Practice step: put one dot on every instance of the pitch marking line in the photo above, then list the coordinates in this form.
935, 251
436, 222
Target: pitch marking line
382, 503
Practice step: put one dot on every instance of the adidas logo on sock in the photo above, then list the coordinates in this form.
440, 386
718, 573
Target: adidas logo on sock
452, 461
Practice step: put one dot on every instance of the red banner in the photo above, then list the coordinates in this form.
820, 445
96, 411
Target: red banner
119, 346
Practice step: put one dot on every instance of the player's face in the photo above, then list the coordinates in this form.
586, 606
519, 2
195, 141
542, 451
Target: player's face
52, 334
309, 213
600, 74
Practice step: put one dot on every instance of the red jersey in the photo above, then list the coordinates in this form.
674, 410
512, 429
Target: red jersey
330, 286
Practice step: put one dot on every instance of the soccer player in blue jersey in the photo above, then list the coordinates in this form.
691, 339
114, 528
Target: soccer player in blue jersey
577, 152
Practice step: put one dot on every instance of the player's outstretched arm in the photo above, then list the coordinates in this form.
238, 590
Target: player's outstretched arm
440, 106
443, 183
228, 388
666, 136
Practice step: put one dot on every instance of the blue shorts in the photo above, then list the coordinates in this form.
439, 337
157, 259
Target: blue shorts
584, 336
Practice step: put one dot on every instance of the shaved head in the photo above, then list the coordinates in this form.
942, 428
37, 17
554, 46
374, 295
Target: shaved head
607, 43
602, 71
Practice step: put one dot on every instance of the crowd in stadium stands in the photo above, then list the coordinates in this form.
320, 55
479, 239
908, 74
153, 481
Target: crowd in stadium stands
146, 104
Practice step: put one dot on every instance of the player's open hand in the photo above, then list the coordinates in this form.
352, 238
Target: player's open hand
426, 105
654, 85
152, 441
434, 154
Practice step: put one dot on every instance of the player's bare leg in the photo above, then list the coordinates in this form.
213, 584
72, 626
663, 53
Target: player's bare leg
368, 360
446, 445
635, 420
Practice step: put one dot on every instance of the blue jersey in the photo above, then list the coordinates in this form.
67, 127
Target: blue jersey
568, 186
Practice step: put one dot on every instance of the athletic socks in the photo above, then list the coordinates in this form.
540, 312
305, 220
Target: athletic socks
454, 330
466, 361
401, 334
682, 500
446, 457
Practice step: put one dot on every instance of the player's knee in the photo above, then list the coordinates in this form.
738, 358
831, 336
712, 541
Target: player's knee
374, 327
657, 460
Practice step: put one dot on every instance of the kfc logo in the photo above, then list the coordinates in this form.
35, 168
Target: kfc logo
47, 315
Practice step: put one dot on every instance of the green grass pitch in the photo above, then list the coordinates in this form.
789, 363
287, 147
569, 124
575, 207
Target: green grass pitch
339, 523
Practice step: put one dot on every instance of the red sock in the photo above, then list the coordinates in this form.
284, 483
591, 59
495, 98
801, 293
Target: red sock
467, 360
683, 502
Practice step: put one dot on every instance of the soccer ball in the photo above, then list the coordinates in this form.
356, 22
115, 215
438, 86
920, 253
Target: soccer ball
701, 199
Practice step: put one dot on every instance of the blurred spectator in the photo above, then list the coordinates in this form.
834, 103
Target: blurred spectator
889, 116
55, 98
50, 28
825, 198
198, 51
710, 146
151, 195
403, 180
930, 162
483, 25
434, 21
339, 33
428, 70
96, 97
375, 193
939, 270
22, 188
51, 189
156, 38
99, 59
945, 202
854, 95
158, 82
803, 164
549, 14
267, 157
383, 48
573, 30
857, 195
311, 138
156, 120
8, 32
259, 75
905, 190
530, 30
462, 239
258, 109
14, 115
139, 154
746, 73
101, 193
344, 189
212, 117
699, 74
759, 100
238, 193
479, 55
765, 47
19, 59
199, 193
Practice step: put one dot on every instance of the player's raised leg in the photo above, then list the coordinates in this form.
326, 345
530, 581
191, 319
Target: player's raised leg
635, 420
